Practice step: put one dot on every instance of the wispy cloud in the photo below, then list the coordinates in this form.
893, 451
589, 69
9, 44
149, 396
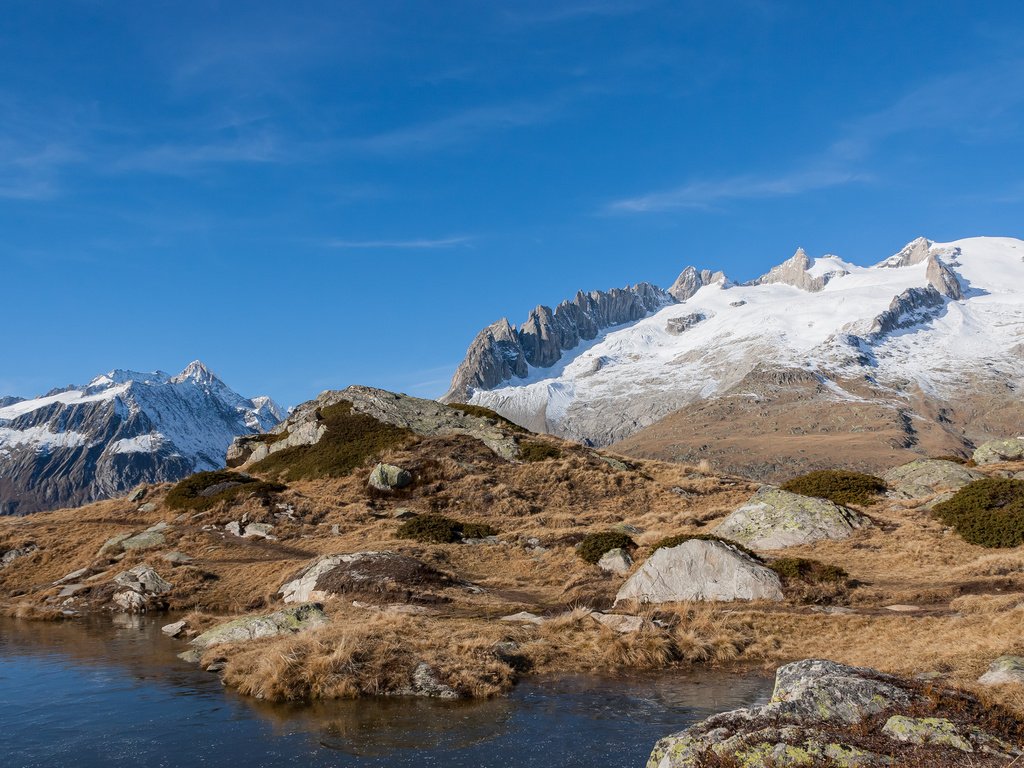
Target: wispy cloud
414, 244
190, 158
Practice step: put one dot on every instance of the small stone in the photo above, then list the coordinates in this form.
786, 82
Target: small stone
138, 494
149, 506
524, 617
403, 514
388, 477
258, 530
616, 561
1005, 669
618, 622
177, 558
174, 630
903, 608
234, 528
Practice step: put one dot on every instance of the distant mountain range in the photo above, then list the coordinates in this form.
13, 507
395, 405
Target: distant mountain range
79, 444
816, 363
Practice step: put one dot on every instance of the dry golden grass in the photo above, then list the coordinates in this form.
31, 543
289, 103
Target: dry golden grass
970, 598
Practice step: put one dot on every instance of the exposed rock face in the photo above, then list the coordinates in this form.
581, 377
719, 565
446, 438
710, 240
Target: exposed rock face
912, 253
1004, 670
500, 352
823, 713
700, 570
288, 621
9, 556
913, 306
81, 444
388, 477
304, 425
1000, 450
140, 589
776, 519
943, 279
677, 325
928, 476
691, 280
796, 272
376, 577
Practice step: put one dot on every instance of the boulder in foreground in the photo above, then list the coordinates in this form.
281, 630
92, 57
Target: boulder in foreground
776, 519
700, 569
823, 713
288, 621
927, 476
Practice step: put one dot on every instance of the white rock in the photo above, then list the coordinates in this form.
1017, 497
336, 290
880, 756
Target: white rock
618, 622
615, 561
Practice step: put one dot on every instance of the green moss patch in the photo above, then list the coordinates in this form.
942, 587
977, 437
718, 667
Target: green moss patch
594, 545
987, 512
204, 490
350, 440
439, 529
535, 450
838, 486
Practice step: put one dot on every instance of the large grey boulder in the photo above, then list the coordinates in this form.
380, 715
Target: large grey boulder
140, 589
388, 477
1005, 669
775, 519
823, 713
700, 570
1000, 450
928, 476
288, 621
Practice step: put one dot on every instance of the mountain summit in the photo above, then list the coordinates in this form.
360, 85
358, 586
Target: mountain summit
920, 352
79, 444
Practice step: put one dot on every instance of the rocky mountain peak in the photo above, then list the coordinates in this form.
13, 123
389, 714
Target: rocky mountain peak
691, 280
797, 272
197, 372
913, 253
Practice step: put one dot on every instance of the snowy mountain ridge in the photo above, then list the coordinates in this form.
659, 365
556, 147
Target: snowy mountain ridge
79, 444
920, 322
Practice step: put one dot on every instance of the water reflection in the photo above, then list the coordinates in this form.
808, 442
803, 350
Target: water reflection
110, 693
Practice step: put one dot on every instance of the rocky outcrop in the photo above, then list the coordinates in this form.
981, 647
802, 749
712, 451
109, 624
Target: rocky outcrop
677, 325
943, 279
912, 307
123, 429
776, 519
914, 252
796, 272
139, 590
700, 570
375, 577
288, 621
997, 451
928, 476
692, 280
823, 713
305, 425
501, 352
1003, 671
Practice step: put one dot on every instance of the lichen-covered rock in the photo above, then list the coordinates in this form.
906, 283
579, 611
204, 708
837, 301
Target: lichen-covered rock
823, 713
9, 556
700, 570
376, 577
150, 539
425, 682
1000, 450
288, 621
616, 561
776, 519
1005, 669
388, 477
928, 476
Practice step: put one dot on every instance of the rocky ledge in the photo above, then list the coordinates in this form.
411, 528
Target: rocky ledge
823, 713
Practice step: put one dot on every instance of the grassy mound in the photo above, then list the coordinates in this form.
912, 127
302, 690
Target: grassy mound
838, 486
438, 529
535, 450
351, 439
987, 512
595, 545
486, 413
675, 541
204, 490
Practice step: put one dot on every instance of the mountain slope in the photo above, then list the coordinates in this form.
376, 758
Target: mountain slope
80, 444
928, 342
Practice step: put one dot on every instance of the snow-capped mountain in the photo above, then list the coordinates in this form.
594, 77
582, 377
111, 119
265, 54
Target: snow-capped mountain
933, 336
79, 444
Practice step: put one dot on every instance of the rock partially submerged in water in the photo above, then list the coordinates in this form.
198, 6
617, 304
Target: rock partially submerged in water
288, 621
375, 577
700, 570
928, 476
776, 519
823, 713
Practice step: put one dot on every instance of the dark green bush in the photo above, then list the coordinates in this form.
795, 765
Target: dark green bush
487, 413
594, 545
988, 512
351, 438
189, 493
535, 450
439, 529
675, 541
838, 486
807, 570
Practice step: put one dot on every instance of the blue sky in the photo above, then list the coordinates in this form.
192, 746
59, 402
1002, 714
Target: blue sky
307, 195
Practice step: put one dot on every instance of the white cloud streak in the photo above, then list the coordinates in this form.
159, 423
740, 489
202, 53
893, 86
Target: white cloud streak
413, 244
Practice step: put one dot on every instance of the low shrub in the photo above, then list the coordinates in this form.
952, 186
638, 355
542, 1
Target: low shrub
675, 541
811, 581
838, 486
350, 440
440, 529
535, 450
988, 512
194, 492
486, 413
595, 545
